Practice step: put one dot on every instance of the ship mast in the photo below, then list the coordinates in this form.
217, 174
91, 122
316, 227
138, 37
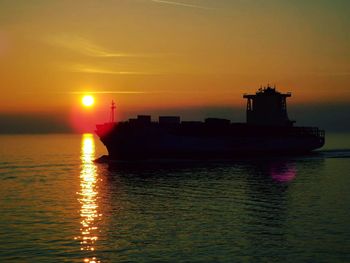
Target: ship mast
111, 118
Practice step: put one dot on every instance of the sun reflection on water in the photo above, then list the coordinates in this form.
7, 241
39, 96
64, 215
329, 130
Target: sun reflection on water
87, 197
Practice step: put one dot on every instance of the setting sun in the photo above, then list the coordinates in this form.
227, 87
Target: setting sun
88, 100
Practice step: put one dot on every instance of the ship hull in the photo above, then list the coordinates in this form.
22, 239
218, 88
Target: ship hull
146, 143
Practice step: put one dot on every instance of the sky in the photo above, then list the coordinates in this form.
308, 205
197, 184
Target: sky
194, 57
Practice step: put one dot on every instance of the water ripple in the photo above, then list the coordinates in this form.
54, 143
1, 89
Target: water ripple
261, 210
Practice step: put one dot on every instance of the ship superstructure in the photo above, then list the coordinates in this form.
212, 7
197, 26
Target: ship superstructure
268, 107
267, 130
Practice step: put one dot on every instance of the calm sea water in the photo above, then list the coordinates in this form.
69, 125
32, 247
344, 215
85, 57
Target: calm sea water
57, 205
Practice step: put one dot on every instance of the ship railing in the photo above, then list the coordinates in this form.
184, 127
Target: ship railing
309, 131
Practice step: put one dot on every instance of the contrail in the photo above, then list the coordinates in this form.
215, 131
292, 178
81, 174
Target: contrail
181, 4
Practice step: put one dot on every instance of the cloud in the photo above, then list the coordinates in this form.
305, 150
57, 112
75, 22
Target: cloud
95, 70
110, 92
341, 73
181, 4
86, 47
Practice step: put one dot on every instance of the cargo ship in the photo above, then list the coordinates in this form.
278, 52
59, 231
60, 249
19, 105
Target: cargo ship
267, 131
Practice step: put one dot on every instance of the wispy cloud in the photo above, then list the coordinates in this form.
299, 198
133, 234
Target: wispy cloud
87, 47
95, 70
341, 73
109, 92
182, 4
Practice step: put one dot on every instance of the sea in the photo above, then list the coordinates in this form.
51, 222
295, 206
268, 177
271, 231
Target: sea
58, 205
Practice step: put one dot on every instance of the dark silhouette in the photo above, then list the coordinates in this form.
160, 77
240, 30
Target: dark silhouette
268, 107
268, 130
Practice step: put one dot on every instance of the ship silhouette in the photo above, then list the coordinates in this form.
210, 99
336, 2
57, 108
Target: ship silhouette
268, 130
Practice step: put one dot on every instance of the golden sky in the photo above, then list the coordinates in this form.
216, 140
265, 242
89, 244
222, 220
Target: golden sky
155, 54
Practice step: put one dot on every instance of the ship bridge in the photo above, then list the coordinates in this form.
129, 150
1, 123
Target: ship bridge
268, 107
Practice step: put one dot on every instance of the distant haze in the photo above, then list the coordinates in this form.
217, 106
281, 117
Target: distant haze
332, 118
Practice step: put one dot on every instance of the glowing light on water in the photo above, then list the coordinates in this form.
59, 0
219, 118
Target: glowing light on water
283, 172
88, 196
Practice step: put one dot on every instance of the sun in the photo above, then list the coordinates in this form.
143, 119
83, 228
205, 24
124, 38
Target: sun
88, 100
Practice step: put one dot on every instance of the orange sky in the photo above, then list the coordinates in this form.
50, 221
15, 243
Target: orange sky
154, 54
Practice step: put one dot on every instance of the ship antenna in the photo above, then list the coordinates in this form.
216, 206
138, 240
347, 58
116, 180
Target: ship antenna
112, 111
